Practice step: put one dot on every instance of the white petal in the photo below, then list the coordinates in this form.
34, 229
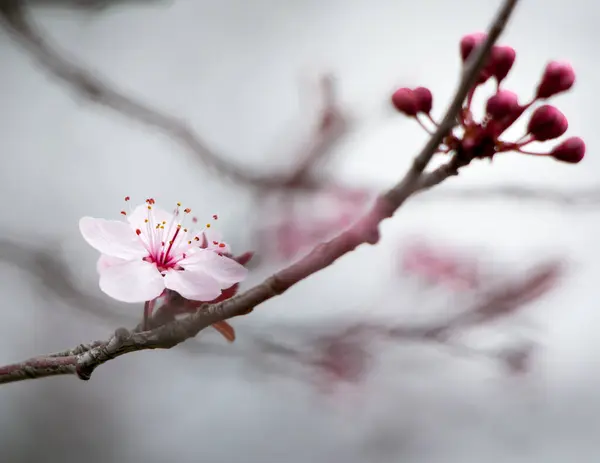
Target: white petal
108, 261
132, 281
195, 285
225, 270
213, 236
137, 219
111, 237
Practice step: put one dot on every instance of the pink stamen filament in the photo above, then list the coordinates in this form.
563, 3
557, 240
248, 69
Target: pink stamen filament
167, 257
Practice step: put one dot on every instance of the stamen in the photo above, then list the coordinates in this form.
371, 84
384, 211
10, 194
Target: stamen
166, 256
167, 241
128, 209
150, 226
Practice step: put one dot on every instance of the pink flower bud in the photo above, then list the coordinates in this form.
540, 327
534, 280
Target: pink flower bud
405, 101
502, 60
469, 42
424, 99
546, 123
571, 150
558, 77
502, 104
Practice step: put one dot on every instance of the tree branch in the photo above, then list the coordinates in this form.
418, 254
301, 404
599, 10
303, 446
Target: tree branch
365, 231
98, 90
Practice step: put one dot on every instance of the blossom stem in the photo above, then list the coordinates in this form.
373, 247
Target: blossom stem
423, 125
432, 120
468, 116
525, 141
532, 153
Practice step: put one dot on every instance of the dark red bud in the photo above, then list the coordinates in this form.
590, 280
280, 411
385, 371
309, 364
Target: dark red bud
469, 42
558, 77
502, 104
502, 60
547, 123
405, 101
572, 150
424, 99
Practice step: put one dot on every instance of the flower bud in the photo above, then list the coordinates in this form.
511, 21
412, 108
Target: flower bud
405, 101
502, 60
572, 150
558, 77
469, 42
546, 123
424, 99
502, 104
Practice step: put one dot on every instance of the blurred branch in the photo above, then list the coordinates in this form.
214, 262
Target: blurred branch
365, 231
94, 5
589, 196
331, 126
341, 354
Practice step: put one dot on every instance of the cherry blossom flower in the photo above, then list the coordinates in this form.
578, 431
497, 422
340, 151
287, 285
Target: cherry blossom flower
154, 250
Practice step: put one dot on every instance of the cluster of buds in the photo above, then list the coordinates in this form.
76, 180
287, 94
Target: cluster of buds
481, 139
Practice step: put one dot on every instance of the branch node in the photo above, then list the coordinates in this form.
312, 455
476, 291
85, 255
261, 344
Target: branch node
84, 373
122, 334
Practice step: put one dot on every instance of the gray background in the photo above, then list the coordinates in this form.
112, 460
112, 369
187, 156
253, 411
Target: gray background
241, 73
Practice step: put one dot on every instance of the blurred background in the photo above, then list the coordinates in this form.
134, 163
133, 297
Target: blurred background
247, 78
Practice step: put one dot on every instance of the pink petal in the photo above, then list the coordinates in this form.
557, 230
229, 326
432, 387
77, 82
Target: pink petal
112, 238
132, 281
213, 236
223, 269
195, 285
108, 261
137, 219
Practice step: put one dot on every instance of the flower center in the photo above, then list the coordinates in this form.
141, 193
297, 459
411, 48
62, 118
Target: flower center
166, 237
